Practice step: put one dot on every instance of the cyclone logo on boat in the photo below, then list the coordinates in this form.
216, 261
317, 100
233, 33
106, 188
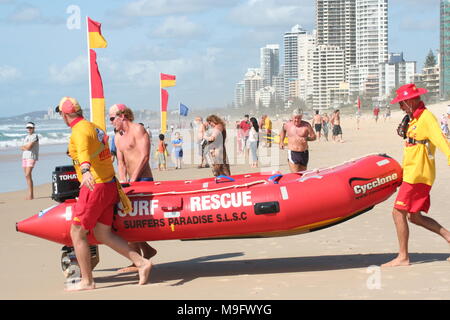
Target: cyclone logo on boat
363, 186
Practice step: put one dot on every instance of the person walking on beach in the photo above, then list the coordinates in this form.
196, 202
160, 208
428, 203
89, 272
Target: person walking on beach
325, 125
253, 142
133, 154
266, 123
161, 152
216, 146
94, 209
199, 133
376, 113
336, 122
423, 135
245, 126
317, 123
30, 155
178, 149
299, 132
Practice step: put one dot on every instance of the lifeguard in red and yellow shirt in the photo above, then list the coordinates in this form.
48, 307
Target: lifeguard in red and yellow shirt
423, 135
99, 193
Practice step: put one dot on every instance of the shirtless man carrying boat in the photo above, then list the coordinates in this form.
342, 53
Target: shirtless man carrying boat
133, 153
299, 132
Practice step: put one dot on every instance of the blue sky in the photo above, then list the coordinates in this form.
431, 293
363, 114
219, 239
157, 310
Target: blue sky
207, 44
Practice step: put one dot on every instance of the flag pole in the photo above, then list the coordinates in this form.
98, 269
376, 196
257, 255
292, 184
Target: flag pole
89, 70
160, 105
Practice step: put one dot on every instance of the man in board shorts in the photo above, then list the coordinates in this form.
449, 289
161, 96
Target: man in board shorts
299, 132
93, 212
423, 135
317, 123
133, 154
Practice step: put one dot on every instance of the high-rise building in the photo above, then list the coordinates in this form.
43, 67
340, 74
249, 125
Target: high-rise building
328, 74
445, 49
270, 62
394, 73
239, 94
306, 43
253, 81
291, 61
371, 43
336, 26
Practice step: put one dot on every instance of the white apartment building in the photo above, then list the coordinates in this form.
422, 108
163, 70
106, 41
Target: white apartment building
371, 45
264, 95
253, 81
394, 73
336, 26
291, 61
328, 74
239, 94
306, 43
270, 62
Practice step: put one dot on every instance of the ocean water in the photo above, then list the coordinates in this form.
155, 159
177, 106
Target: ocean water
53, 139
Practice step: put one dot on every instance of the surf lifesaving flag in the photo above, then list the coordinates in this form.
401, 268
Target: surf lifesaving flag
96, 39
164, 102
183, 110
167, 80
97, 97
359, 104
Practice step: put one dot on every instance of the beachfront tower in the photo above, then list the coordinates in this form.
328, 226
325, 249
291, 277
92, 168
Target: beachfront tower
291, 61
445, 49
371, 43
270, 63
336, 26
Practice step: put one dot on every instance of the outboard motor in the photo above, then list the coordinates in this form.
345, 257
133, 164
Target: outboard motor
65, 184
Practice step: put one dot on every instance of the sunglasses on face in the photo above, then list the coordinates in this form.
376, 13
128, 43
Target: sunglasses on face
112, 119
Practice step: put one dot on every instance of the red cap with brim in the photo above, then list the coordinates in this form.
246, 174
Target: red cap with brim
408, 91
68, 105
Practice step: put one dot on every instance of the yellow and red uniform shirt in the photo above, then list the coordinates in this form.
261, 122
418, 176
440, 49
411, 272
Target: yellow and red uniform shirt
418, 158
89, 144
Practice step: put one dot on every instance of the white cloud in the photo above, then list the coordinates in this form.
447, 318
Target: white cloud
273, 13
150, 8
28, 14
8, 73
74, 72
177, 27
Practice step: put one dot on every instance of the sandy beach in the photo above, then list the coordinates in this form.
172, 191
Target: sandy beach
340, 262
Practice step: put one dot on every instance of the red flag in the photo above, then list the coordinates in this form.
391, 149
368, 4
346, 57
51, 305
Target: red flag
164, 99
359, 104
96, 79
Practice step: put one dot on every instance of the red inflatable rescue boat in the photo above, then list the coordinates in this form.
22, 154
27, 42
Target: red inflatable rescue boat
252, 205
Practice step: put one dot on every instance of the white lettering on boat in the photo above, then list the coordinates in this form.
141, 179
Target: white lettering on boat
140, 208
224, 201
373, 184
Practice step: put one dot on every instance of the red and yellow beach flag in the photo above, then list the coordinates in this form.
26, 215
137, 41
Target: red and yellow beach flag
97, 97
96, 39
168, 80
164, 102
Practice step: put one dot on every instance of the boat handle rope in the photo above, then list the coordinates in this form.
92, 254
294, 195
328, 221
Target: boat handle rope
275, 178
230, 179
198, 191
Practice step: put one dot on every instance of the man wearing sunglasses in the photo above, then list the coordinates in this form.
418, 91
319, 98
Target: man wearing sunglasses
423, 135
133, 154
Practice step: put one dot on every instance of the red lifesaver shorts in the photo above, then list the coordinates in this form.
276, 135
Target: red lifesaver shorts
413, 198
96, 206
